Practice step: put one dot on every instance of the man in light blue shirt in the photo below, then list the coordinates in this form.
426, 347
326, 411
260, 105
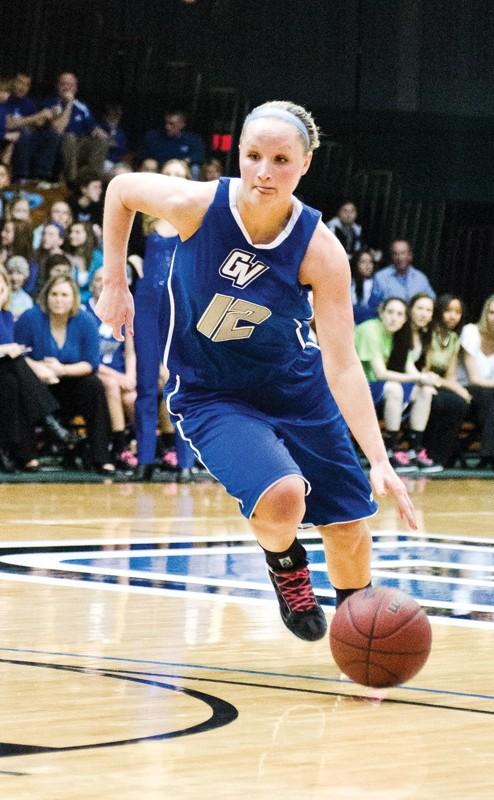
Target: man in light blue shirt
401, 279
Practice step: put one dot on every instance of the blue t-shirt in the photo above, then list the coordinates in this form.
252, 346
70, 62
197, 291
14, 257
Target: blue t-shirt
158, 145
112, 352
21, 106
239, 316
6, 327
81, 121
81, 342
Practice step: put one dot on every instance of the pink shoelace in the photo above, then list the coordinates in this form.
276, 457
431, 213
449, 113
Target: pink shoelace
296, 589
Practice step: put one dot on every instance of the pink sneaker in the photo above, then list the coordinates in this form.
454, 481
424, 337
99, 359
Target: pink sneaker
169, 459
426, 464
128, 459
400, 461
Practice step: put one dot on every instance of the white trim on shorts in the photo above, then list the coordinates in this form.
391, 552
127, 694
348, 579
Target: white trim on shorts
305, 525
308, 488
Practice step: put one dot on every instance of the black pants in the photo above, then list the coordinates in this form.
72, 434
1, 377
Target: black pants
86, 396
24, 401
482, 412
448, 410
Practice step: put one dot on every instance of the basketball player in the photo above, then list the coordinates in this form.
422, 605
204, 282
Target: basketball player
246, 387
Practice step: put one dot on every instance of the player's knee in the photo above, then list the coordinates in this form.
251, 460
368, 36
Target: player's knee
283, 503
352, 536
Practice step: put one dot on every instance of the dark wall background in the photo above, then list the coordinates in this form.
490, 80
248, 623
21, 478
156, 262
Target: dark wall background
401, 88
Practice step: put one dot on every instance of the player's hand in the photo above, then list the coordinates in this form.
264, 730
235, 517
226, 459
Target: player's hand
384, 480
116, 307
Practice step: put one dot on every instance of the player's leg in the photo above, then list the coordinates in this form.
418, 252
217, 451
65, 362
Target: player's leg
274, 523
348, 550
241, 448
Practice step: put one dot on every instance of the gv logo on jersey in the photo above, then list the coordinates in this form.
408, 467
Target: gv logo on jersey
241, 268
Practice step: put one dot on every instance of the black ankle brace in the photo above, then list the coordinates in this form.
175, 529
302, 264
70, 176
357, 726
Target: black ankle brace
288, 560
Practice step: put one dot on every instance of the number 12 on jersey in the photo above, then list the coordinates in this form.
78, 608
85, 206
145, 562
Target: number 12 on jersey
220, 319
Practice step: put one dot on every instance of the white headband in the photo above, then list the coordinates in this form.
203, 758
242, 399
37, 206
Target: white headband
280, 113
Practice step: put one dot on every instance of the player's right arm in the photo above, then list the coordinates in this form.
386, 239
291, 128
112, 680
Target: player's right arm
183, 203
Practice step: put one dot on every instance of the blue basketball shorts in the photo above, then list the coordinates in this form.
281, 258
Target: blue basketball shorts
249, 449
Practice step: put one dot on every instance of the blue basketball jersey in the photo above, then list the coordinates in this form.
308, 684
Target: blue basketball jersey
239, 316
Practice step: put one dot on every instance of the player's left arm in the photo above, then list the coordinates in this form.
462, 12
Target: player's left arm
326, 269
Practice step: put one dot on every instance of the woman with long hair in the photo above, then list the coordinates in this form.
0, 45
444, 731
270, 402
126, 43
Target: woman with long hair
246, 389
384, 346
477, 343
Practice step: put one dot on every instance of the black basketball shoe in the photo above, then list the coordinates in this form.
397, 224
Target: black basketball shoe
299, 608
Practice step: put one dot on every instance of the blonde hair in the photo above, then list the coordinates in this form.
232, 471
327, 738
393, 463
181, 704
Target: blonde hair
482, 324
5, 276
301, 114
50, 284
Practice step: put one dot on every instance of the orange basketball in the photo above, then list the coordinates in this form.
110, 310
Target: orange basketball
380, 637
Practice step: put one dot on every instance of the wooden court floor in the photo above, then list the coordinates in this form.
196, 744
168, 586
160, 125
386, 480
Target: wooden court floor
142, 655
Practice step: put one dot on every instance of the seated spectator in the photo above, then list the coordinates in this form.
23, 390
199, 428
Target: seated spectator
117, 372
85, 256
18, 208
362, 265
81, 141
4, 184
400, 279
477, 351
346, 229
211, 170
64, 346
110, 123
25, 116
87, 205
60, 212
384, 346
173, 141
52, 243
148, 165
18, 272
7, 137
451, 400
24, 399
15, 240
57, 265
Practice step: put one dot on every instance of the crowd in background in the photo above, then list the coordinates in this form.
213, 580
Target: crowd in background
427, 370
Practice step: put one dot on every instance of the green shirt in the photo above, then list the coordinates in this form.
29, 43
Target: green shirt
372, 340
443, 350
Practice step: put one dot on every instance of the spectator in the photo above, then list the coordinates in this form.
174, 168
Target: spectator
52, 243
33, 148
65, 349
7, 137
362, 265
4, 184
15, 240
477, 350
384, 348
18, 272
86, 205
85, 256
148, 165
82, 142
57, 265
19, 209
174, 142
117, 372
346, 229
24, 400
110, 123
400, 279
211, 170
451, 401
60, 212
